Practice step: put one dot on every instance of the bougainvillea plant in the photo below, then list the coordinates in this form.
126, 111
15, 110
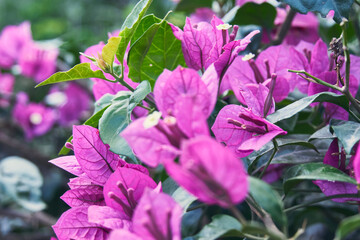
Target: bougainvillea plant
210, 130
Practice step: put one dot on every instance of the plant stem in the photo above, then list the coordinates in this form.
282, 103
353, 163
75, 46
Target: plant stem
320, 200
276, 148
122, 82
144, 107
238, 215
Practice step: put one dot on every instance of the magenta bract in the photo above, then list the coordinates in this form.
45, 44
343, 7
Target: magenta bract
210, 172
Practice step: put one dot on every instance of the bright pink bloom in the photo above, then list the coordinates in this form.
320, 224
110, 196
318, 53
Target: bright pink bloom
210, 172
34, 118
157, 217
356, 164
12, 41
243, 131
36, 62
6, 88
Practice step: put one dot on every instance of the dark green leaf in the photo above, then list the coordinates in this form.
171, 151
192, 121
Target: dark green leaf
145, 23
301, 104
347, 226
347, 132
80, 71
154, 51
252, 13
313, 171
130, 25
220, 225
341, 7
191, 5
92, 121
323, 133
269, 200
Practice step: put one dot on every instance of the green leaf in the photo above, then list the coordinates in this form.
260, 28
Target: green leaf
301, 104
257, 14
109, 50
313, 171
219, 226
93, 121
130, 25
347, 226
114, 120
191, 5
268, 199
79, 71
323, 133
104, 101
341, 7
183, 198
140, 93
347, 132
154, 51
144, 24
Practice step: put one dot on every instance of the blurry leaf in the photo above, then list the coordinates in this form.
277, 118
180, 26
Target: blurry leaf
145, 23
313, 171
341, 7
92, 121
80, 71
109, 50
347, 132
347, 226
140, 93
268, 199
154, 51
255, 14
169, 186
114, 120
301, 104
220, 225
190, 5
183, 198
130, 25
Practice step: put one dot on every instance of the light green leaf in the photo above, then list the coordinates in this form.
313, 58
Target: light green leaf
104, 101
130, 25
268, 199
80, 71
183, 198
313, 171
109, 50
301, 104
154, 51
140, 93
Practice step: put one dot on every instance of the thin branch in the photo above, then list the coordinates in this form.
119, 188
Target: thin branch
276, 148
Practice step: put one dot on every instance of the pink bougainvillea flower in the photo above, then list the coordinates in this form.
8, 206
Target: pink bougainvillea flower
337, 159
6, 88
210, 172
34, 118
37, 62
12, 41
356, 164
243, 131
185, 101
304, 27
157, 217
71, 103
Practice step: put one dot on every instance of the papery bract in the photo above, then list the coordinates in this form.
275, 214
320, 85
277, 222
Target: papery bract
243, 131
210, 172
12, 41
69, 164
36, 62
74, 224
94, 157
109, 217
84, 196
356, 164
